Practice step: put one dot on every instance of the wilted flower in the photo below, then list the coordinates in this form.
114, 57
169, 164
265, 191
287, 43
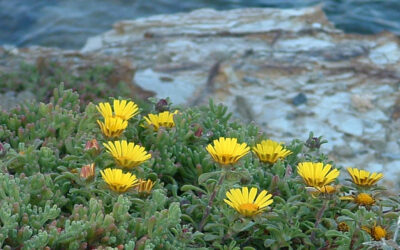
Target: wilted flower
112, 126
92, 144
145, 187
227, 150
364, 178
244, 202
87, 171
270, 151
117, 180
127, 155
316, 174
343, 227
123, 109
164, 119
376, 232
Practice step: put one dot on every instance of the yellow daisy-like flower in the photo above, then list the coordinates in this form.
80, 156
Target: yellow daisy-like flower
227, 150
364, 178
164, 119
112, 126
376, 232
316, 174
117, 180
123, 109
270, 151
362, 199
145, 187
243, 201
127, 155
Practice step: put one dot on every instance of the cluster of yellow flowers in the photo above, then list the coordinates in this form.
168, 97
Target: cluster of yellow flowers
127, 155
317, 176
226, 152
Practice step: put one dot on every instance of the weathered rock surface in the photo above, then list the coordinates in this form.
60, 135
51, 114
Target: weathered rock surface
258, 61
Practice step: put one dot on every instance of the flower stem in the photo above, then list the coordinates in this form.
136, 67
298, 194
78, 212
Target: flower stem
318, 218
210, 202
397, 230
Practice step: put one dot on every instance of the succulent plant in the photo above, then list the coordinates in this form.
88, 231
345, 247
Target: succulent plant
52, 194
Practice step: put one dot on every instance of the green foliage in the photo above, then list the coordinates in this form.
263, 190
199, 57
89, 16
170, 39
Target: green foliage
44, 203
90, 82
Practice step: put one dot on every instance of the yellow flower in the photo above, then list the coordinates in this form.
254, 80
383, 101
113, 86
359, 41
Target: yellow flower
364, 199
87, 171
164, 119
227, 150
145, 187
364, 178
244, 202
122, 109
270, 151
117, 180
316, 174
376, 232
127, 155
112, 126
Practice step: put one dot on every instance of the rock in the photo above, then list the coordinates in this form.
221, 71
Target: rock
299, 99
346, 123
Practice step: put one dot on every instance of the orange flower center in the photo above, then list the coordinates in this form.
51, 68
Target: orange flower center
364, 199
250, 207
378, 233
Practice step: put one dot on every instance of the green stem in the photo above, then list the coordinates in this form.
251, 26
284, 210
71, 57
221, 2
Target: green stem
210, 202
318, 219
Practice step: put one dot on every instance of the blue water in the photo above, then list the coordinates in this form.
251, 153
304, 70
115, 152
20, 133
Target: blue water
68, 23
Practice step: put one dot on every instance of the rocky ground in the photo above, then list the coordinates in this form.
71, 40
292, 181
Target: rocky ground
288, 70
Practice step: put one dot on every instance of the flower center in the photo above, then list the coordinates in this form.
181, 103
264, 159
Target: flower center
250, 207
364, 199
378, 233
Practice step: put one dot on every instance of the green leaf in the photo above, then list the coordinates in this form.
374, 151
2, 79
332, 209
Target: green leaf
186, 188
206, 176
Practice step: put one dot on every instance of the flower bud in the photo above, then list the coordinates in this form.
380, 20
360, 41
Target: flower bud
162, 105
93, 146
2, 150
198, 132
87, 172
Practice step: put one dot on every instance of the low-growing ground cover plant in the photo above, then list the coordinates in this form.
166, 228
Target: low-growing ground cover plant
112, 176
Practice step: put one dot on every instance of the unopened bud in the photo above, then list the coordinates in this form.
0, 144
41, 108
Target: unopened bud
198, 132
87, 171
92, 145
162, 105
289, 171
2, 150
